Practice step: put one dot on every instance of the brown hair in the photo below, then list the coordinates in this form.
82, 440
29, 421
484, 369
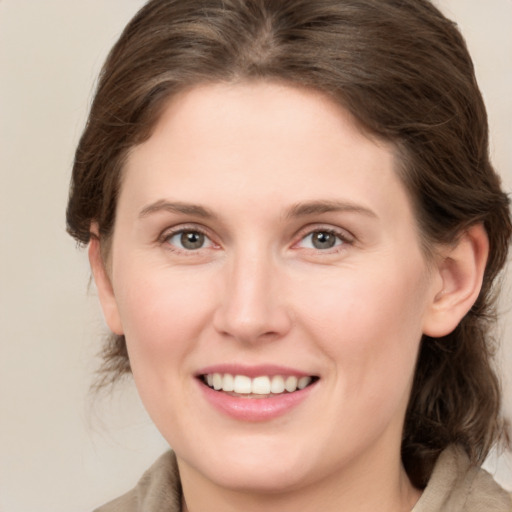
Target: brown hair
403, 70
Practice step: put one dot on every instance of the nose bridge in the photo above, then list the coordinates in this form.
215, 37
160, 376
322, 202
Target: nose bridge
252, 306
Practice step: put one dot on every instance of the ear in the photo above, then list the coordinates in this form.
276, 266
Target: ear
460, 270
103, 285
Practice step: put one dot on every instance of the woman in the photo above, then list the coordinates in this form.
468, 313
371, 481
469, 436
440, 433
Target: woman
295, 232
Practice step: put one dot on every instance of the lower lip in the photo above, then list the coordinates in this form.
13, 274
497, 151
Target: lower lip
255, 409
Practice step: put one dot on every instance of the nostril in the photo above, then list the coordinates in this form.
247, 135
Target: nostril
263, 326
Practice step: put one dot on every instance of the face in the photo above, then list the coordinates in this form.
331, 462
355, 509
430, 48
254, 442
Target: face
266, 271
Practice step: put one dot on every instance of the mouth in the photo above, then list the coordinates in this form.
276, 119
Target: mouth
263, 386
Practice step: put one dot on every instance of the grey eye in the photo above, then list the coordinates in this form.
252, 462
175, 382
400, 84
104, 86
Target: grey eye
189, 240
192, 240
321, 240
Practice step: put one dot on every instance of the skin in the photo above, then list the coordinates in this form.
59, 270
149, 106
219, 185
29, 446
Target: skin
260, 292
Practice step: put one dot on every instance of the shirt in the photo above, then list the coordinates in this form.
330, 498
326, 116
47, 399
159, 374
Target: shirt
455, 486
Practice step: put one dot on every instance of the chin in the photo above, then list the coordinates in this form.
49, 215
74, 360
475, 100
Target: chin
261, 479
259, 469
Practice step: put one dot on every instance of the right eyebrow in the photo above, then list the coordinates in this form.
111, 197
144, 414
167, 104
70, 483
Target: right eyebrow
162, 205
327, 206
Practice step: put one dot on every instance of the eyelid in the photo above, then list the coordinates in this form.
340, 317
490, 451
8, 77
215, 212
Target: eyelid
180, 228
344, 235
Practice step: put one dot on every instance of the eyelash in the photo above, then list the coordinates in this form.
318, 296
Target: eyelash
343, 238
167, 235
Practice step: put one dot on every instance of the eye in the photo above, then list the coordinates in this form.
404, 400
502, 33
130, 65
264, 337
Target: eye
188, 240
322, 239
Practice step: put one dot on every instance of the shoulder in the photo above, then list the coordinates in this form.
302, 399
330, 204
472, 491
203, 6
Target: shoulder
485, 494
158, 489
458, 486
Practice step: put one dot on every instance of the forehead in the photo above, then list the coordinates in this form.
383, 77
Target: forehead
257, 143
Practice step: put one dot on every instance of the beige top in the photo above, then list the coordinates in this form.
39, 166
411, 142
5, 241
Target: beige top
455, 486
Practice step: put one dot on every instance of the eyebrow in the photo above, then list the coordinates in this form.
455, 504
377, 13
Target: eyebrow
327, 206
163, 205
298, 210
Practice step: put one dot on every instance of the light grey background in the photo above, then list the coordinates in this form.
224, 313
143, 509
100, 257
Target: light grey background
60, 450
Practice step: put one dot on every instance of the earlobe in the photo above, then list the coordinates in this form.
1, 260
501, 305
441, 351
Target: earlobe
460, 270
104, 287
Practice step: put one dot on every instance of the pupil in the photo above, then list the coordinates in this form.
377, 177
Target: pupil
323, 240
192, 240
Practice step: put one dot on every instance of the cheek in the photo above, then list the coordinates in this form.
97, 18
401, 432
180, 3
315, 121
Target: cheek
161, 311
163, 314
369, 325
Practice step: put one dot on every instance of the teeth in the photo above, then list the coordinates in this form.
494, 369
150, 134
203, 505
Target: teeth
217, 381
228, 382
277, 384
242, 384
304, 382
290, 384
263, 385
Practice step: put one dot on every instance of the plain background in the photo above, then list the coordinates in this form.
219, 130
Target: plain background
60, 448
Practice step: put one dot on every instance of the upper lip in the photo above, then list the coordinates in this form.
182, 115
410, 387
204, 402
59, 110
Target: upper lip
253, 371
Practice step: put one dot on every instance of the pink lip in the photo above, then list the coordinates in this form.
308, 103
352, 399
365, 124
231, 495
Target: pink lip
254, 409
252, 371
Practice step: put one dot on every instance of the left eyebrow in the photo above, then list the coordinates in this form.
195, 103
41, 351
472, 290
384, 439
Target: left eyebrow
327, 206
176, 207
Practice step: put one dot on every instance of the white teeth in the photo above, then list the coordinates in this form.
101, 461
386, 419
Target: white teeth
228, 382
290, 384
243, 384
277, 385
217, 381
304, 382
263, 385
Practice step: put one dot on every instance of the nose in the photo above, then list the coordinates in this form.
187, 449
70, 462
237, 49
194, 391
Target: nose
252, 305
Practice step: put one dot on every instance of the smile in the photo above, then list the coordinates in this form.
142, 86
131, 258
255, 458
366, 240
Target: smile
258, 387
